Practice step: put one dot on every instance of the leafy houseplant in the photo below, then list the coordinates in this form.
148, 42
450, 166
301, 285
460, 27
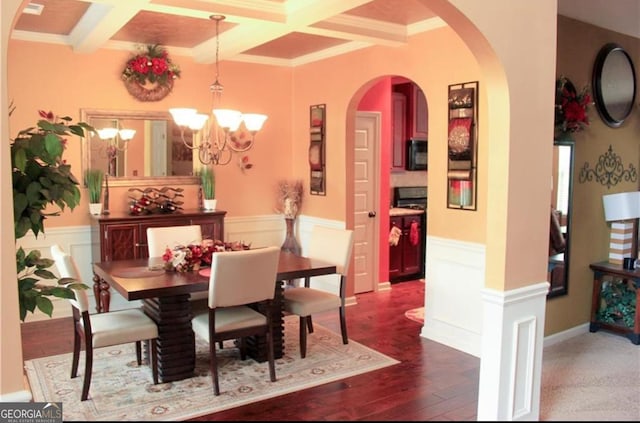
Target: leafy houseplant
618, 303
41, 178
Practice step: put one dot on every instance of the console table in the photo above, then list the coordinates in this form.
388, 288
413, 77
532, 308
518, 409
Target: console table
604, 270
122, 236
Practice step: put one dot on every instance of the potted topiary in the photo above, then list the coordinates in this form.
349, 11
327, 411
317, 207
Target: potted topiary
208, 184
41, 178
93, 180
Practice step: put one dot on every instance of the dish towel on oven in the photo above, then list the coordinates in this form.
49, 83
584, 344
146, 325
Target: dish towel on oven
394, 236
414, 235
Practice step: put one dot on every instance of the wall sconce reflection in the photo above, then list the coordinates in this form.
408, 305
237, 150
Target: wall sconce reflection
117, 140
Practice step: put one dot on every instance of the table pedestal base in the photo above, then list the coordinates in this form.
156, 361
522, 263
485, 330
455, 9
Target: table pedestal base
176, 340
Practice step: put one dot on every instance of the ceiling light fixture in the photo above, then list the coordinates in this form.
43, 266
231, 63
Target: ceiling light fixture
219, 140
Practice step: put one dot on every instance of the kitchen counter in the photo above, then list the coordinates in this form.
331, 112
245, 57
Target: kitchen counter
399, 211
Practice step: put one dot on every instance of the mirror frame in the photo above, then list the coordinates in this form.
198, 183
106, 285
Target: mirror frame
564, 290
608, 73
130, 181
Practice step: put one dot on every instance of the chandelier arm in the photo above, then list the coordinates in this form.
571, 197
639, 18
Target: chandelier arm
204, 155
241, 147
224, 156
184, 141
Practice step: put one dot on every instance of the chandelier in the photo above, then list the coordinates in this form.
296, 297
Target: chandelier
217, 142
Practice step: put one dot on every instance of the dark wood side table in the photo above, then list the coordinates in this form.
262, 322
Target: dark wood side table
605, 269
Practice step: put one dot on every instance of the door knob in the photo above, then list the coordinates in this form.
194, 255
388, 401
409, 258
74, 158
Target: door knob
372, 214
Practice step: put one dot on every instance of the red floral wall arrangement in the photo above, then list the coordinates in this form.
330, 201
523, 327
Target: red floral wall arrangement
150, 73
571, 107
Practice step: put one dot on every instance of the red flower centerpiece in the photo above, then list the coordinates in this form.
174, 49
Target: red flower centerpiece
188, 258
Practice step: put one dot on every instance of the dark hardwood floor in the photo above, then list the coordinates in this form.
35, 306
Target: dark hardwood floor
432, 382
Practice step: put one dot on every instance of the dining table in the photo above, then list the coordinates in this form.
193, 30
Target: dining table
166, 295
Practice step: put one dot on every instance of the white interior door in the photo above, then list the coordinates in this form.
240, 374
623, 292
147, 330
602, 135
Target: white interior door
158, 148
366, 180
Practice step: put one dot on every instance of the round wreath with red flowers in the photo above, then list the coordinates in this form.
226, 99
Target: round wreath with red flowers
149, 74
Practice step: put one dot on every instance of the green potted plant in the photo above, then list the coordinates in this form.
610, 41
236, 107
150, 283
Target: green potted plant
208, 184
93, 180
41, 179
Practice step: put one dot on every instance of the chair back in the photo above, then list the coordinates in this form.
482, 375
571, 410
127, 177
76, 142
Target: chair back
243, 277
68, 269
333, 245
161, 238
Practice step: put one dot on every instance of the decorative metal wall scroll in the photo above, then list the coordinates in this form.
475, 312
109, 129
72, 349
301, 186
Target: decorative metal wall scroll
317, 150
608, 171
463, 146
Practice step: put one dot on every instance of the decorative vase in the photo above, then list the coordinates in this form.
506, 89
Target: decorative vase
95, 208
210, 204
290, 242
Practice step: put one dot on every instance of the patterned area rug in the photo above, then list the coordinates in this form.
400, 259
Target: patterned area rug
120, 390
415, 314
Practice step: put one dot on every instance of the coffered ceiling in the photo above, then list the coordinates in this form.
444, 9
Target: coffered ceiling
278, 32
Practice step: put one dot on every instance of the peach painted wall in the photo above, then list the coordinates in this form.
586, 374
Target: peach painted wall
54, 78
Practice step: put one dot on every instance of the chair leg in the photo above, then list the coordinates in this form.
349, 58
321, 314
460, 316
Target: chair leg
303, 337
242, 346
310, 324
153, 358
76, 354
139, 352
213, 368
87, 371
271, 354
343, 325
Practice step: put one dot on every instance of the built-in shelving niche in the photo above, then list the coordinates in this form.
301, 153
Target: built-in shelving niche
462, 146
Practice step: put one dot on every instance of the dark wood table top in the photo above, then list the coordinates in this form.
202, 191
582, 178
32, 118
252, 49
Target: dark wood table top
135, 280
616, 269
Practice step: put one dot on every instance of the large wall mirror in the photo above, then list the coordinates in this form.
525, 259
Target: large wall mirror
153, 155
614, 84
560, 216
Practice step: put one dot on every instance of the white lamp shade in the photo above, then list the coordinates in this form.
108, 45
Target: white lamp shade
183, 116
197, 121
107, 133
127, 134
621, 206
254, 121
228, 119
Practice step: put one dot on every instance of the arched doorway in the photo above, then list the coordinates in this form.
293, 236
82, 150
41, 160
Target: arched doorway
379, 168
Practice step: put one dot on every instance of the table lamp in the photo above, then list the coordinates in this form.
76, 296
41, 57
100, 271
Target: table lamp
621, 209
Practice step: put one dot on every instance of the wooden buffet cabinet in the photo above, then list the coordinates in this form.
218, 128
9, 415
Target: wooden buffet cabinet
121, 236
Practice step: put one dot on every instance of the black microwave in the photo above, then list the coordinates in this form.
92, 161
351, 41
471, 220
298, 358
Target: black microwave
416, 158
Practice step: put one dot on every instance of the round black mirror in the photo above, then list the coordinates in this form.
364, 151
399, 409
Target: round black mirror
614, 84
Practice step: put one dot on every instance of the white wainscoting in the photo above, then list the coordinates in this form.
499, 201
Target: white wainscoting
455, 275
260, 231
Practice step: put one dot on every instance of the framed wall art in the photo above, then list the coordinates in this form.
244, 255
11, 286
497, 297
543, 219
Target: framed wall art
462, 146
317, 168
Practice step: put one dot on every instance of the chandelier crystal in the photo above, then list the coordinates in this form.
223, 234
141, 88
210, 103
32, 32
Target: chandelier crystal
217, 142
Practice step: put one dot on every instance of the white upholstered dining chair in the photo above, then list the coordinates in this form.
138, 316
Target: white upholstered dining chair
334, 246
161, 238
238, 279
104, 329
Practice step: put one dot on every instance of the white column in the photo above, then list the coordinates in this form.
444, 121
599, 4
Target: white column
512, 342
